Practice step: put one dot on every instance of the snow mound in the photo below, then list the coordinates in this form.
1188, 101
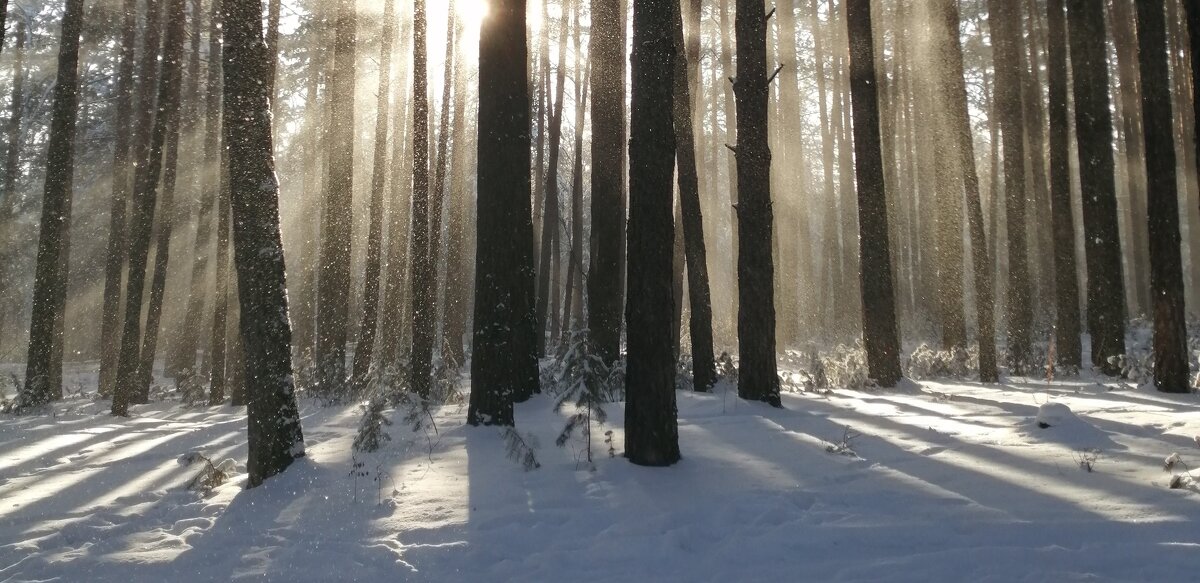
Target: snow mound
1056, 415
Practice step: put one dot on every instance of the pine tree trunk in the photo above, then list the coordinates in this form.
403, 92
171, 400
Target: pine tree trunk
394, 325
607, 55
1004, 20
651, 428
700, 321
129, 389
1067, 328
504, 361
219, 349
1166, 266
573, 298
209, 185
333, 279
1093, 123
1192, 9
879, 316
1125, 40
757, 376
441, 167
365, 348
50, 278
424, 277
550, 214
731, 138
12, 170
458, 271
122, 187
275, 438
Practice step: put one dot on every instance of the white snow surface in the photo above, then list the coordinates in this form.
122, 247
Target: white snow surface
947, 482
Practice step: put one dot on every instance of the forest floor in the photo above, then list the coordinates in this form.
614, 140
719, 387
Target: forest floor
937, 482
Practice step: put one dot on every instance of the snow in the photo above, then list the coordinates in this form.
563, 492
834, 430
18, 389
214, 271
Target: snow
947, 481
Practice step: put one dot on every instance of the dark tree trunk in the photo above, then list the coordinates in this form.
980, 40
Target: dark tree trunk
129, 389
275, 438
1005, 22
210, 184
1066, 287
607, 55
504, 364
219, 349
700, 321
394, 325
757, 376
1093, 126
366, 339
954, 91
438, 202
12, 170
880, 336
333, 279
651, 428
50, 277
1192, 9
550, 216
121, 190
424, 277
1166, 265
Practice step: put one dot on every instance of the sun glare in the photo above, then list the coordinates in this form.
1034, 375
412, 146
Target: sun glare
472, 11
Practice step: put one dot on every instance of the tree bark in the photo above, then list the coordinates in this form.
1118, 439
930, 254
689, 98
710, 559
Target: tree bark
441, 167
504, 363
1093, 123
607, 55
129, 389
704, 373
219, 348
12, 170
365, 348
394, 326
50, 277
1166, 265
423, 279
651, 428
333, 271
1066, 289
275, 437
1004, 20
550, 216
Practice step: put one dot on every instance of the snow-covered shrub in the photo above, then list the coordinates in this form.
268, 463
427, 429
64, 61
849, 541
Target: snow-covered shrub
193, 390
684, 381
9, 383
211, 475
846, 367
1052, 414
928, 363
371, 433
727, 371
1137, 368
562, 374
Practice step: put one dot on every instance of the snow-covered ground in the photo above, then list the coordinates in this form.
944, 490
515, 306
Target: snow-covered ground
941, 482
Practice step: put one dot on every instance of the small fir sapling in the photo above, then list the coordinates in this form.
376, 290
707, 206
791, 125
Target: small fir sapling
520, 448
581, 382
371, 433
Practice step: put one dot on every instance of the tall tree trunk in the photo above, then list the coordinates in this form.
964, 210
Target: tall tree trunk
1124, 28
394, 326
219, 349
651, 428
700, 321
550, 216
333, 279
504, 362
1192, 9
954, 91
456, 298
757, 376
441, 166
731, 137
145, 199
121, 192
1166, 265
607, 55
209, 184
829, 228
50, 278
1093, 123
275, 438
12, 170
366, 335
1005, 22
1066, 289
423, 280
574, 293
880, 335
